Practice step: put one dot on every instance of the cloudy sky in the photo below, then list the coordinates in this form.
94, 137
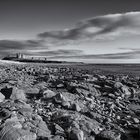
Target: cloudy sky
92, 31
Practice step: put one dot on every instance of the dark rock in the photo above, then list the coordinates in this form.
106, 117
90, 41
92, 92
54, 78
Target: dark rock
33, 93
59, 98
76, 107
108, 135
76, 134
57, 137
7, 92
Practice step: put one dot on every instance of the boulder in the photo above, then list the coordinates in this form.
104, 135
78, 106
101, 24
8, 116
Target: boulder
47, 94
118, 85
42, 130
32, 91
81, 91
89, 125
66, 104
4, 113
126, 90
59, 98
7, 91
16, 134
57, 137
94, 91
76, 107
108, 135
18, 94
76, 134
58, 130
26, 110
2, 97
136, 120
12, 130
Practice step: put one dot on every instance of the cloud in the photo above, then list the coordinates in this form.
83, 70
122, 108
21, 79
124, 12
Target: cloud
69, 34
56, 53
100, 27
8, 44
12, 46
126, 55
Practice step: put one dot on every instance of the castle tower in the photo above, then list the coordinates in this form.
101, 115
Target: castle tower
19, 56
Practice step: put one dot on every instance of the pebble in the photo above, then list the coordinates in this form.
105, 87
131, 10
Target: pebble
136, 120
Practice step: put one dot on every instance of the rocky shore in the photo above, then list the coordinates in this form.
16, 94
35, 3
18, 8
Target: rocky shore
66, 103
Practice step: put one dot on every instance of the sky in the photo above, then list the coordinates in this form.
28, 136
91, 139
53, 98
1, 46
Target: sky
90, 31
